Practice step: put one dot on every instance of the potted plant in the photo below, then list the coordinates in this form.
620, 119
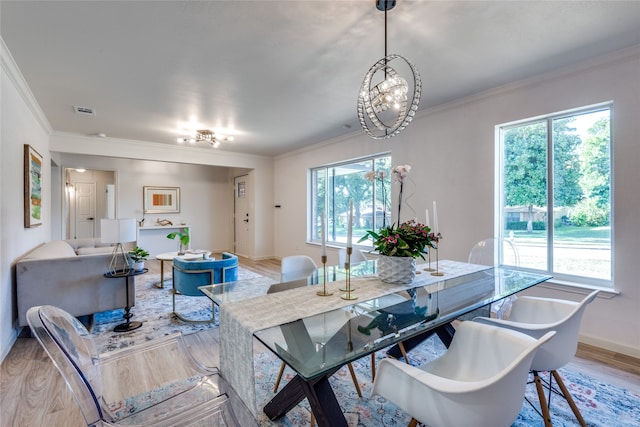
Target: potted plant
183, 237
399, 246
137, 256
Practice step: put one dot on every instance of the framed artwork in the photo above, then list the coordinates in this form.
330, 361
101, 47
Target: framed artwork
161, 199
32, 187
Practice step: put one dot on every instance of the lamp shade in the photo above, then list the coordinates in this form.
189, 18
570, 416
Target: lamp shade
118, 230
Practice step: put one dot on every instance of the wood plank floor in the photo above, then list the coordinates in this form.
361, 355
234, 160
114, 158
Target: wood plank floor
34, 394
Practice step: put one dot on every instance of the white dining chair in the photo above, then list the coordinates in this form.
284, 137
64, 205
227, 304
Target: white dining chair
295, 267
356, 256
479, 381
536, 316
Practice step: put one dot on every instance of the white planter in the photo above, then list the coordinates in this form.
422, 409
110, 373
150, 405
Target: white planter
137, 266
396, 269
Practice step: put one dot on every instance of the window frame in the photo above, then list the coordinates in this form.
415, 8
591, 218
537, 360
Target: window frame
500, 215
311, 211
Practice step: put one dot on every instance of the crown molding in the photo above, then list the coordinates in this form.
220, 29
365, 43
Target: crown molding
10, 67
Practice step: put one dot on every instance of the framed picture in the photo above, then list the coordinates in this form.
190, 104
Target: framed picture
32, 187
161, 199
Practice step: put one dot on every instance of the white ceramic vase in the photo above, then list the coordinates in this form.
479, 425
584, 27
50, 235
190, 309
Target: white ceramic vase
396, 269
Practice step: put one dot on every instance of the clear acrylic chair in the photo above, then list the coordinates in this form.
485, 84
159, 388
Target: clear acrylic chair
157, 383
495, 252
479, 381
536, 316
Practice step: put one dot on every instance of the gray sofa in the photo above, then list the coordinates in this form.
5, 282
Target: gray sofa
70, 274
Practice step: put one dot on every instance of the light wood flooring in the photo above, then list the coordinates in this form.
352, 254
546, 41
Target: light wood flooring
34, 394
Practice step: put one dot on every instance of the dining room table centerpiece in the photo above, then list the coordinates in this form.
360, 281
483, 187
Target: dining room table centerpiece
399, 244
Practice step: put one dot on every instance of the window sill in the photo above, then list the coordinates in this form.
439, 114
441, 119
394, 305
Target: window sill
578, 288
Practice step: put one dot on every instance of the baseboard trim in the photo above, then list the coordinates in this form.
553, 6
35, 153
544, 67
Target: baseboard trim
610, 346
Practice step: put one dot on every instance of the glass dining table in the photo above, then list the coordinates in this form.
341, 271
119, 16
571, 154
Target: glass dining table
317, 335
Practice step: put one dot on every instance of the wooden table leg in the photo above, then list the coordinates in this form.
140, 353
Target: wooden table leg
323, 401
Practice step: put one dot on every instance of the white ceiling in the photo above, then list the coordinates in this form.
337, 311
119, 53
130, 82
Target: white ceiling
282, 74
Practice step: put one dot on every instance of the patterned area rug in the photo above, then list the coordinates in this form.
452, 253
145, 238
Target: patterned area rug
153, 308
601, 404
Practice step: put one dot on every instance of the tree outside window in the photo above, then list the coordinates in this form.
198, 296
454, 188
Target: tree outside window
334, 186
555, 193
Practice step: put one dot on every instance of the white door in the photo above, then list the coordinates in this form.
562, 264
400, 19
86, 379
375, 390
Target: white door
85, 193
242, 222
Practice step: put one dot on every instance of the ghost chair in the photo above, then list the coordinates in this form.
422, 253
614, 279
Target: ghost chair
189, 275
356, 256
536, 316
157, 383
479, 381
494, 252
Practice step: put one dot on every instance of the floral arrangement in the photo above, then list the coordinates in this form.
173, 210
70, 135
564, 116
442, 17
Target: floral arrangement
410, 238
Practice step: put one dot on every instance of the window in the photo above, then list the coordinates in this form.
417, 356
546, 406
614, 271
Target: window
555, 193
334, 186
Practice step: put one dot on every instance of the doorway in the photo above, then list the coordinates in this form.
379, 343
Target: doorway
242, 222
89, 197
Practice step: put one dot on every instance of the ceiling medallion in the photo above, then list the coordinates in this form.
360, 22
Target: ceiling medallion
207, 136
384, 109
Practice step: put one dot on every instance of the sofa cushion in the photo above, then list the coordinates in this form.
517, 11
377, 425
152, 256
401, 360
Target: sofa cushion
50, 250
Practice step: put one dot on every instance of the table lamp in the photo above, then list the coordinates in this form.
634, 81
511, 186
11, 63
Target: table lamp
118, 231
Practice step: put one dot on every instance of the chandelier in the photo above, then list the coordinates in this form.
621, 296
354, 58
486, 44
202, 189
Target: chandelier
207, 136
384, 109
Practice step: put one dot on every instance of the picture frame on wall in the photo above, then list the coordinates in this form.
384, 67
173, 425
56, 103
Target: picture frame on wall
161, 199
32, 187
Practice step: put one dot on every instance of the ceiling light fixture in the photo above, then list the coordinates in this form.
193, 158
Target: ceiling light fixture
383, 107
207, 136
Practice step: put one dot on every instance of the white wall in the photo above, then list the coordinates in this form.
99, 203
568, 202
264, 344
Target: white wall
205, 194
451, 150
21, 123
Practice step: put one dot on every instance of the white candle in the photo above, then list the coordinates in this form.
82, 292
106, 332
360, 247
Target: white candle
324, 242
427, 216
436, 229
350, 224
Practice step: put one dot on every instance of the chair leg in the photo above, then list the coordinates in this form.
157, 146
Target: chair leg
313, 420
404, 352
373, 367
275, 387
568, 397
355, 380
413, 423
543, 401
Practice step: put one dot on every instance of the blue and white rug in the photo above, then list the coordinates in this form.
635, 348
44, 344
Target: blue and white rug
601, 404
153, 308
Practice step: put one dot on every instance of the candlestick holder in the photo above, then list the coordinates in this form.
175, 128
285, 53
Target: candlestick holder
429, 260
323, 292
437, 272
348, 291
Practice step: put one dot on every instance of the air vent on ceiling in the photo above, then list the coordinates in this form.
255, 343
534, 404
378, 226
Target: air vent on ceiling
84, 110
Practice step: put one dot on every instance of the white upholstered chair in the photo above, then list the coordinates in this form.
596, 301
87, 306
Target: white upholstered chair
536, 316
480, 381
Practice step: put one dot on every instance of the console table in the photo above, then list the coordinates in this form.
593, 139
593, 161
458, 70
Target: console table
154, 238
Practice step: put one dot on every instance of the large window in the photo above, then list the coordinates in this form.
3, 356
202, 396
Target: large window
334, 186
555, 193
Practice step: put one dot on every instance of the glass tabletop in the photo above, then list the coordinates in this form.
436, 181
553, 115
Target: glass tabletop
318, 344
222, 293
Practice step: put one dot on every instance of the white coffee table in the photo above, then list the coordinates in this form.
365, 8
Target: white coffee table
169, 256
